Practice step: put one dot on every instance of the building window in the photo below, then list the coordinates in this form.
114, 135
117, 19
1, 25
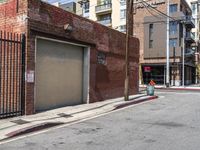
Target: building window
173, 25
122, 2
86, 7
173, 8
194, 8
150, 30
150, 35
193, 35
173, 42
1, 1
103, 2
122, 28
105, 17
123, 14
150, 43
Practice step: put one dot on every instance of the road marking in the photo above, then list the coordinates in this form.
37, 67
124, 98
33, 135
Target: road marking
161, 97
189, 93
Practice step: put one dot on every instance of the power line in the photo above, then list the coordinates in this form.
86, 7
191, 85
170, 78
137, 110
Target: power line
158, 10
150, 11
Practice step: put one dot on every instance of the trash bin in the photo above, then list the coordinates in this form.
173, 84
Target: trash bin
150, 90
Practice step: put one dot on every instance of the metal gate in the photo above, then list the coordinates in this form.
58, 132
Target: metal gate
12, 70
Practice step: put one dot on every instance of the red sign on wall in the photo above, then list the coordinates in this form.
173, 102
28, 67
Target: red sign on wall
147, 69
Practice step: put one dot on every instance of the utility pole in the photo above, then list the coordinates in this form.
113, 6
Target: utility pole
129, 32
167, 48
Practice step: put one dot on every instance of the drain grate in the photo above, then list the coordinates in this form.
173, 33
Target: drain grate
20, 121
64, 115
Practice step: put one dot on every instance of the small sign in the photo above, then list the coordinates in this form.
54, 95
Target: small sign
101, 58
147, 69
30, 76
152, 83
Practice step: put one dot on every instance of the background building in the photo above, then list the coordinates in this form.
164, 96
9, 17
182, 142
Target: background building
151, 28
111, 13
68, 5
195, 6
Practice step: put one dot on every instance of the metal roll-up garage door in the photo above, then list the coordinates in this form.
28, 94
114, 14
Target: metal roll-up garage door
59, 74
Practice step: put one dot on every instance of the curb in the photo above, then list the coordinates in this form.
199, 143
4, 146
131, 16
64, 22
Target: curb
134, 102
181, 89
31, 129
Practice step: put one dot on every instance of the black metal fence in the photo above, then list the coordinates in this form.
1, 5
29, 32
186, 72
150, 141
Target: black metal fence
12, 70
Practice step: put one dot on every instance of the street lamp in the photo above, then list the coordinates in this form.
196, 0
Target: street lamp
167, 48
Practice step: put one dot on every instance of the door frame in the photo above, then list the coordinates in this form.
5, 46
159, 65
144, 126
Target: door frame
86, 67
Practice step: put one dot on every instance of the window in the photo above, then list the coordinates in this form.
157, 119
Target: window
105, 17
150, 35
173, 8
173, 27
86, 7
193, 8
173, 42
193, 35
122, 2
122, 28
2, 1
150, 31
123, 14
103, 2
150, 43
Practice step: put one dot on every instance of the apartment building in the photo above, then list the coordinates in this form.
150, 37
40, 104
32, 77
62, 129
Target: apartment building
69, 5
151, 28
111, 13
195, 6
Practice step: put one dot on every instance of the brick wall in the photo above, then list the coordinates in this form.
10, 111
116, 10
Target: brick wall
13, 16
106, 80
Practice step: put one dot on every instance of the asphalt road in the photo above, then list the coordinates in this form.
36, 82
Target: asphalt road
171, 122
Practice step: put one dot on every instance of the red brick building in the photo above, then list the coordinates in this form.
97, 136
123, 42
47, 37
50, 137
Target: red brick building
81, 63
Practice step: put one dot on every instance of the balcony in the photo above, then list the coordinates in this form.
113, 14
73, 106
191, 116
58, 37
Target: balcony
190, 37
104, 8
105, 22
189, 21
189, 52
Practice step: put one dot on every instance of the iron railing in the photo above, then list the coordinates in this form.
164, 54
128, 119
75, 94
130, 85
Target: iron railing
103, 7
12, 74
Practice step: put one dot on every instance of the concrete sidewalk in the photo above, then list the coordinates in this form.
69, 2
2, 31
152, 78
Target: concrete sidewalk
195, 87
24, 124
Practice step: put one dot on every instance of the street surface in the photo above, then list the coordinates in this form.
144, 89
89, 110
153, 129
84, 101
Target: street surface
171, 122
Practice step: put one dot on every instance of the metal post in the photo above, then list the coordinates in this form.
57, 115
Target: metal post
167, 48
129, 32
174, 75
183, 61
23, 61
